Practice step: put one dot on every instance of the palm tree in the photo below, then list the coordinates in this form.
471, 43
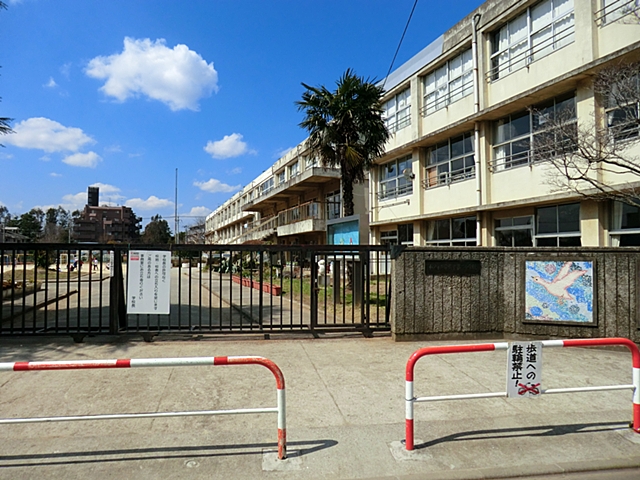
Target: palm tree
346, 128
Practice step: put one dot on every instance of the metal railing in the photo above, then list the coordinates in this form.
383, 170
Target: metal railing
615, 11
280, 409
530, 54
438, 103
446, 178
213, 289
410, 399
306, 211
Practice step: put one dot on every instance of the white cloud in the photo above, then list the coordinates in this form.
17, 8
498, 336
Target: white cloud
87, 160
178, 77
48, 135
198, 212
151, 203
74, 202
215, 186
235, 171
6, 156
230, 146
105, 188
54, 174
51, 83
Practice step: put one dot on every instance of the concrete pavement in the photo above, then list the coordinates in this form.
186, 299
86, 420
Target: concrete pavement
345, 413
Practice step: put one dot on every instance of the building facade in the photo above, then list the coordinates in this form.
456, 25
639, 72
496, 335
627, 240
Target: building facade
467, 120
295, 201
102, 224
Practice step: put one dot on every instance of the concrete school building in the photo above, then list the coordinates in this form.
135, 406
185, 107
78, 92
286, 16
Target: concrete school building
460, 167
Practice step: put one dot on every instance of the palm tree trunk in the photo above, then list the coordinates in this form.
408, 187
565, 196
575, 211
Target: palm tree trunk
347, 197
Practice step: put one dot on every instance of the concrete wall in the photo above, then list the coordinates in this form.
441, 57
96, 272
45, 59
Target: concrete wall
492, 303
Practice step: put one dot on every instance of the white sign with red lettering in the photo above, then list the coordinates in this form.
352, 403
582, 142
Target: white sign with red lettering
149, 282
524, 370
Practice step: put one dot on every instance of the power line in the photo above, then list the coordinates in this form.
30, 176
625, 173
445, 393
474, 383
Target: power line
400, 43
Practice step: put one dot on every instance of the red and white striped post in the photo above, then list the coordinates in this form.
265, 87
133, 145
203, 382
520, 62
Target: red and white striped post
162, 362
410, 399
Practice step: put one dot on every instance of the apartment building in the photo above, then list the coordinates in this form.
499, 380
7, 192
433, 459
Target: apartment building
102, 224
295, 201
467, 113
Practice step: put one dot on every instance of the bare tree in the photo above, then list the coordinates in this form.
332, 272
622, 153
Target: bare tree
593, 158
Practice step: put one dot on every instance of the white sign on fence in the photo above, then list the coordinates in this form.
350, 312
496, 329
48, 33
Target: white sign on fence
524, 370
149, 282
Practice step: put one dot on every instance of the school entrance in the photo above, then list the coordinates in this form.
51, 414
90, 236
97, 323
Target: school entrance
81, 289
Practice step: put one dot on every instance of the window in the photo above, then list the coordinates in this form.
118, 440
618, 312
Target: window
514, 231
514, 135
393, 181
334, 206
625, 225
281, 177
293, 170
541, 29
403, 236
389, 238
450, 161
311, 162
457, 232
558, 226
397, 111
449, 83
613, 10
622, 108
266, 187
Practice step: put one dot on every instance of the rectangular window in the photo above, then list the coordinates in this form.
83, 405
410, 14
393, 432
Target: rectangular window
625, 224
394, 178
539, 31
294, 170
558, 226
622, 108
518, 137
311, 161
449, 83
266, 187
613, 10
397, 111
389, 237
334, 206
405, 234
456, 232
450, 161
514, 232
281, 177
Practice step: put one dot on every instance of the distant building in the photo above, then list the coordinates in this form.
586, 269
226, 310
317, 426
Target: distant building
105, 224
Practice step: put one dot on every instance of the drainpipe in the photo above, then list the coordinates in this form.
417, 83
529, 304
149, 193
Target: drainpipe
476, 126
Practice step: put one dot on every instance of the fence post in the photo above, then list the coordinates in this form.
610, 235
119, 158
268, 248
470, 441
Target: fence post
117, 302
314, 289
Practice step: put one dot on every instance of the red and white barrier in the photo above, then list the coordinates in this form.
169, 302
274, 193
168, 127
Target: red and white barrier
280, 409
485, 347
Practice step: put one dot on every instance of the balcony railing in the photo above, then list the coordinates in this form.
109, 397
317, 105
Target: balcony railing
530, 54
306, 211
616, 10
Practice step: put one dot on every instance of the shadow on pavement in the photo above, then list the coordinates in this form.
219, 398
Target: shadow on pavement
541, 431
156, 453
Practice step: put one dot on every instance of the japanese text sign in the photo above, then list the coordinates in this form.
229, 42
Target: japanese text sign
524, 370
149, 282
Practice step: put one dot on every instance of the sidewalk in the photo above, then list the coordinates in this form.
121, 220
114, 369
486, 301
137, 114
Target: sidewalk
345, 413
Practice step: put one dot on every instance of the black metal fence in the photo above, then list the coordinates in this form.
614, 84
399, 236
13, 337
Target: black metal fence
81, 289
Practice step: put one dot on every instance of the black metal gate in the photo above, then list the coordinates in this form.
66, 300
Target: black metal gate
81, 289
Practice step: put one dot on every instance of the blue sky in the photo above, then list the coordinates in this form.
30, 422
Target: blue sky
121, 93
